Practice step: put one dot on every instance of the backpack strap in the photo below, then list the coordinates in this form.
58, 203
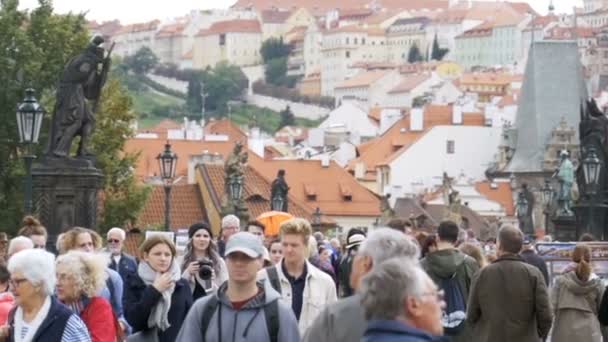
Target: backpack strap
273, 277
208, 312
271, 311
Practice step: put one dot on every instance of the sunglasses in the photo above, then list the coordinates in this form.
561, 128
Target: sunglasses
113, 241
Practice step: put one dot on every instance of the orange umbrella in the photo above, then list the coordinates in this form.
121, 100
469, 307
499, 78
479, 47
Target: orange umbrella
272, 221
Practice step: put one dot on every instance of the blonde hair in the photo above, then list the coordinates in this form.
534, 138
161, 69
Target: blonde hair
88, 270
474, 251
582, 257
297, 226
68, 239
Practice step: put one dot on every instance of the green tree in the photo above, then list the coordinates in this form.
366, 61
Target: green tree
194, 100
142, 61
276, 71
223, 83
437, 52
273, 48
33, 51
287, 118
124, 196
414, 54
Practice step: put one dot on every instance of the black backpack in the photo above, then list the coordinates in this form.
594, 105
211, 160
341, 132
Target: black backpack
271, 312
273, 278
454, 313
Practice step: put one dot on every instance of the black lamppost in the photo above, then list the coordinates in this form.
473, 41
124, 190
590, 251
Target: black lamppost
522, 210
167, 162
316, 219
591, 170
29, 120
547, 197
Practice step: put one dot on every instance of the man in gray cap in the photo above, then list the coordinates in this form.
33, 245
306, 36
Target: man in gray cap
261, 316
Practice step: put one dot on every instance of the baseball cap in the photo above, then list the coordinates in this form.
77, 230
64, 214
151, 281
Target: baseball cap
354, 240
245, 242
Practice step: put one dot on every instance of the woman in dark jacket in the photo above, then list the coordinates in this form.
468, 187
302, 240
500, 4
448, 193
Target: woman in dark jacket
157, 297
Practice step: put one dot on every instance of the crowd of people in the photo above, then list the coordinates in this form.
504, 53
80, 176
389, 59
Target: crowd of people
389, 285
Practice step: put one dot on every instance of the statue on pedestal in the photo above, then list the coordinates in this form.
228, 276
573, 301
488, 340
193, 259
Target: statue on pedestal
278, 192
565, 176
234, 183
82, 79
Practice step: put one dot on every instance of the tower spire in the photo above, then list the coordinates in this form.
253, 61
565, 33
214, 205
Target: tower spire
551, 7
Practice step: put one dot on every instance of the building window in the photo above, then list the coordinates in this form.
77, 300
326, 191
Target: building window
362, 41
347, 54
450, 146
222, 39
356, 41
347, 41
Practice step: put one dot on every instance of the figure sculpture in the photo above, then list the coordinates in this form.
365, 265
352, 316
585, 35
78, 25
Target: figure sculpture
565, 176
82, 79
278, 191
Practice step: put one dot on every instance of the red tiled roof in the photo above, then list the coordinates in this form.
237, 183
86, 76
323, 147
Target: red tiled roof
320, 7
140, 27
256, 191
172, 30
304, 175
226, 127
232, 26
501, 192
409, 83
274, 16
186, 207
488, 78
364, 79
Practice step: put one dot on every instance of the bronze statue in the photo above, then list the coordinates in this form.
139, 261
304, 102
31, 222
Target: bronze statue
82, 79
234, 167
279, 190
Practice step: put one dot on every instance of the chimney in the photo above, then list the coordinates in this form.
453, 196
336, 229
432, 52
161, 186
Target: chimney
325, 161
457, 115
417, 119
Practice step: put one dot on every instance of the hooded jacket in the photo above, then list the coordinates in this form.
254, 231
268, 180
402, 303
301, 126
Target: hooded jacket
443, 264
246, 324
575, 304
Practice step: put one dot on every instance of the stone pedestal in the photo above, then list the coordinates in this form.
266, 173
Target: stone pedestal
65, 194
565, 228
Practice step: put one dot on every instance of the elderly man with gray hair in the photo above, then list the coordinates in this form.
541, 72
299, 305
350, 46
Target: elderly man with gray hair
18, 244
402, 303
230, 226
345, 320
120, 262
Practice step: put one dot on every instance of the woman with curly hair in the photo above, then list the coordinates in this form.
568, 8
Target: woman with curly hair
80, 276
201, 250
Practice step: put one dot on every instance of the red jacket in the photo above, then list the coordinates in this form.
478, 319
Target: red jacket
6, 304
100, 320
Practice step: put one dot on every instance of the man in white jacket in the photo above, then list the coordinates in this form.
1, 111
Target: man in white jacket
302, 286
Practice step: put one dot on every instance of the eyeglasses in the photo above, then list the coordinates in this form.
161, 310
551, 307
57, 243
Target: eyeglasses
439, 295
113, 241
16, 282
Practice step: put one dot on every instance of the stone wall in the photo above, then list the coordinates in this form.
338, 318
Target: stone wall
300, 110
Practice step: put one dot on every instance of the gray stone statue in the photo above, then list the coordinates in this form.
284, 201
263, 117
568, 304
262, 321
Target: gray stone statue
279, 189
82, 79
565, 176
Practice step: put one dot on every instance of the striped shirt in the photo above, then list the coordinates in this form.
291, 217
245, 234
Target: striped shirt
75, 331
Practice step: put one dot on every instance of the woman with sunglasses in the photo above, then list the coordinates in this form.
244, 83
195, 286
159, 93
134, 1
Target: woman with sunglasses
201, 252
38, 316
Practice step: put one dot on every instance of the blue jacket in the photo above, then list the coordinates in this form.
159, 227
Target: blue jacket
60, 325
126, 265
139, 299
395, 331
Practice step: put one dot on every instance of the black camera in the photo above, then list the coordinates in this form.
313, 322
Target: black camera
205, 271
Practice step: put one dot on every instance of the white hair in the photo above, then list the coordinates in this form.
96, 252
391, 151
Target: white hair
386, 287
386, 243
87, 269
120, 231
37, 266
231, 220
21, 243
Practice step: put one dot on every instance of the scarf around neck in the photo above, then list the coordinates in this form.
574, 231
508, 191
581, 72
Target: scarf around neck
159, 316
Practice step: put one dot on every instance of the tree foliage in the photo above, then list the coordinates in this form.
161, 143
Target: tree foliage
194, 99
287, 118
273, 48
414, 54
223, 83
34, 48
123, 196
437, 52
276, 71
142, 61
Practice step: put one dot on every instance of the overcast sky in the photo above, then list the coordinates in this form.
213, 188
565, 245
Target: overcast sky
130, 11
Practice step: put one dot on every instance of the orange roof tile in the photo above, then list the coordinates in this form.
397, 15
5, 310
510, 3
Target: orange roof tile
501, 193
188, 55
147, 165
256, 191
375, 113
355, 12
226, 127
304, 174
232, 26
186, 207
274, 16
364, 79
487, 78
172, 30
409, 83
320, 7
139, 27
164, 125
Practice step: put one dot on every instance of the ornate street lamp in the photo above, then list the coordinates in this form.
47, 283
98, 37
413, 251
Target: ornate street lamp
522, 210
547, 194
316, 218
167, 162
592, 168
29, 120
236, 189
